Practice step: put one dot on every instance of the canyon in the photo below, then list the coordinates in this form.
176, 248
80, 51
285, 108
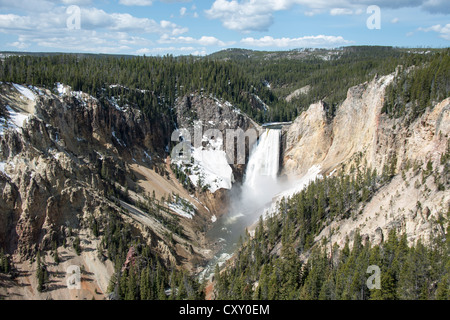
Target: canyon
68, 159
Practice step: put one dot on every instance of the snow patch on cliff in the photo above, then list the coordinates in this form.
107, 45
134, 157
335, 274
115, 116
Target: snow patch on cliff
25, 91
211, 168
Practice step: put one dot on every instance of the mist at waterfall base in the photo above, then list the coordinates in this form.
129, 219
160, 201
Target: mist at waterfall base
261, 182
249, 200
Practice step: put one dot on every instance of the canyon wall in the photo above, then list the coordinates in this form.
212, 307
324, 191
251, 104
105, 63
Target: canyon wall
361, 136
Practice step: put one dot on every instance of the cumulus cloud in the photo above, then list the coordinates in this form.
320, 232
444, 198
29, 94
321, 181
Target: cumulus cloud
162, 50
27, 5
341, 11
76, 2
252, 15
436, 6
77, 41
41, 21
443, 31
203, 41
18, 45
91, 19
175, 1
306, 41
100, 31
136, 2
258, 15
244, 16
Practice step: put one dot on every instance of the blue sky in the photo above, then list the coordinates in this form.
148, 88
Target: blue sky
159, 27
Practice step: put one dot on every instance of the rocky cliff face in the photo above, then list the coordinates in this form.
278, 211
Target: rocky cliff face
212, 113
313, 140
51, 174
360, 135
208, 122
307, 141
197, 112
66, 157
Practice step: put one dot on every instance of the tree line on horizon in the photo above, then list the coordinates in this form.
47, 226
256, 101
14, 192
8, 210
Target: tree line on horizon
154, 83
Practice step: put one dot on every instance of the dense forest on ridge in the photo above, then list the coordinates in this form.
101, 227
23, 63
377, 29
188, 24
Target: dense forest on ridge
154, 83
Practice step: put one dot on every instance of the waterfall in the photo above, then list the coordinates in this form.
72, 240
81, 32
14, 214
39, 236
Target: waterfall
263, 163
256, 197
249, 201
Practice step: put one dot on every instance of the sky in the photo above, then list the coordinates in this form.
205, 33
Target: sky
183, 27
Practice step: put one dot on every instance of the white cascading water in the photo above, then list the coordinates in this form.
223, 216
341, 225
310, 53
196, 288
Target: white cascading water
263, 164
248, 203
257, 196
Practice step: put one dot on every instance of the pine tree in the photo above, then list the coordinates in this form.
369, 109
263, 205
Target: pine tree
131, 284
443, 289
76, 245
55, 253
181, 292
144, 286
4, 262
161, 292
39, 273
388, 285
273, 286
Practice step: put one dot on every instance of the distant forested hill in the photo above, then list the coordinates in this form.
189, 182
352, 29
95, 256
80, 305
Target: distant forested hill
243, 77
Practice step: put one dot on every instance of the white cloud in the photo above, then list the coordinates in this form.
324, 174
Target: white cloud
100, 31
395, 20
27, 5
203, 41
436, 6
136, 2
245, 16
252, 15
11, 23
175, 1
341, 11
172, 28
80, 41
18, 45
199, 53
183, 11
444, 31
306, 41
255, 15
91, 19
310, 13
76, 2
162, 50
